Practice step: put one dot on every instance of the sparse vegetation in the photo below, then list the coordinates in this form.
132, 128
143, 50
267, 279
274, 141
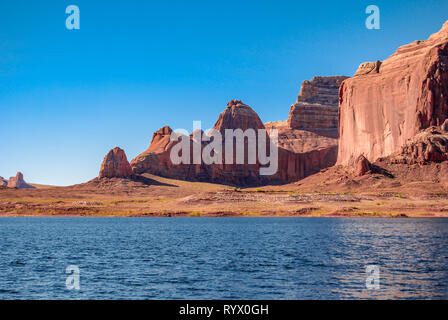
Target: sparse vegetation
194, 214
197, 199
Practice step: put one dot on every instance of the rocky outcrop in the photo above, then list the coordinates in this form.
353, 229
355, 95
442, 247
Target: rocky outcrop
368, 67
304, 140
312, 126
362, 166
237, 115
160, 140
18, 182
3, 182
386, 104
156, 159
317, 104
115, 165
430, 145
291, 165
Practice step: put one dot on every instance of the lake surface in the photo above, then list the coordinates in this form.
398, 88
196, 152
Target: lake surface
223, 258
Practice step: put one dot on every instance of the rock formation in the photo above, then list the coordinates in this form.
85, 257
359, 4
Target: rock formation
18, 182
115, 165
3, 182
430, 145
292, 165
317, 104
237, 115
301, 140
160, 140
386, 104
312, 126
156, 159
368, 67
313, 120
362, 166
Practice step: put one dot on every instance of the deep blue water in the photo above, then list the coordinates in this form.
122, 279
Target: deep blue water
223, 258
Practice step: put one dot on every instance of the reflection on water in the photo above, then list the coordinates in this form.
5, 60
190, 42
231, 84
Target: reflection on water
223, 258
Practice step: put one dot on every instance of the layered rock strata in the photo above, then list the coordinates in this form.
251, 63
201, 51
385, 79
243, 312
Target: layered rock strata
386, 104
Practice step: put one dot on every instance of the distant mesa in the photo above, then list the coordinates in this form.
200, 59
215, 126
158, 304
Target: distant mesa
16, 182
115, 165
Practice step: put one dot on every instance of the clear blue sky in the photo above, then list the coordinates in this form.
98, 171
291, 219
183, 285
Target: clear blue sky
68, 96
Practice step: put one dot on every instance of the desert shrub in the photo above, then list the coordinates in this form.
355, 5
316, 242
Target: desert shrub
194, 214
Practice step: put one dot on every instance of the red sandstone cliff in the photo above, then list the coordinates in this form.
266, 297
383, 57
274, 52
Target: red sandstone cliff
312, 126
156, 159
317, 104
291, 165
115, 165
387, 103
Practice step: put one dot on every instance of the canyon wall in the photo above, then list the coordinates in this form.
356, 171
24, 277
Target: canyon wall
317, 104
292, 165
312, 125
387, 103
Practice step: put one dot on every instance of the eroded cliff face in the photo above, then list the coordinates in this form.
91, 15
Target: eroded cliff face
312, 126
157, 158
292, 165
387, 103
317, 104
238, 115
304, 140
